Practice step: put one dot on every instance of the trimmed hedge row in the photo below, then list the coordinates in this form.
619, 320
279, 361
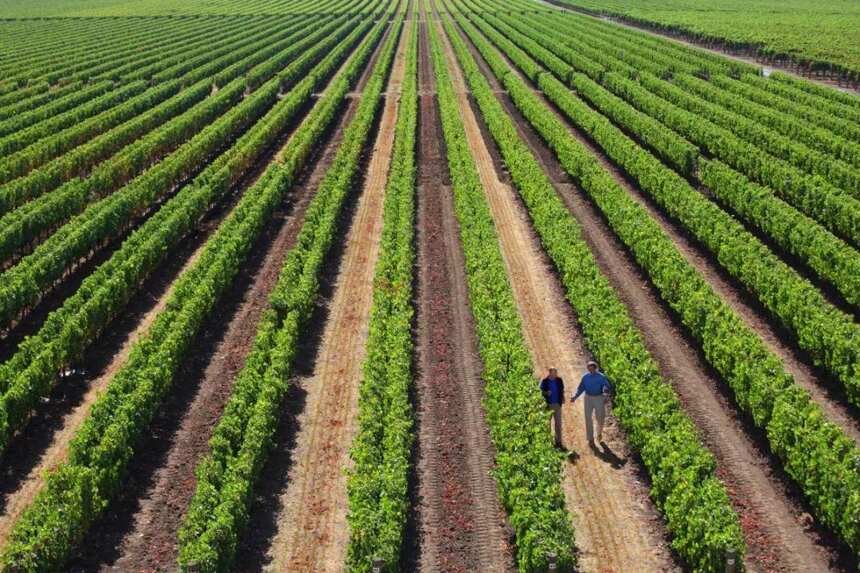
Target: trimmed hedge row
378, 484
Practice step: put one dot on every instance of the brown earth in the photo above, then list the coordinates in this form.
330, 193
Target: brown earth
312, 529
459, 524
772, 519
614, 530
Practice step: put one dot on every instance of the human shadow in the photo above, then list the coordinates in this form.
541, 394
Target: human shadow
605, 453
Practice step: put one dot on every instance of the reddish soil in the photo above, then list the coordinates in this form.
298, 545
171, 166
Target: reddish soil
459, 524
775, 526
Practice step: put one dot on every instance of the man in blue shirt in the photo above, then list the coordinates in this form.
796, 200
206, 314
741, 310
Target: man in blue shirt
552, 388
596, 388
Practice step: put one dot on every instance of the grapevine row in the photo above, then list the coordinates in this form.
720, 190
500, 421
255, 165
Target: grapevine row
597, 51
22, 226
378, 484
109, 59
815, 196
788, 91
241, 439
827, 255
828, 334
70, 329
29, 279
817, 90
78, 96
817, 138
181, 98
227, 42
755, 88
767, 145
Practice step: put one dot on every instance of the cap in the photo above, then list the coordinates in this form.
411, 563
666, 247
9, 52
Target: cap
591, 363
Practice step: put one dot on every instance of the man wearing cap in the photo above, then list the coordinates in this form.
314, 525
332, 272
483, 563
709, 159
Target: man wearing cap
596, 388
552, 388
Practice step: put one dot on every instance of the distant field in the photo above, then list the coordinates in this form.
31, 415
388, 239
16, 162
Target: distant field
95, 8
820, 34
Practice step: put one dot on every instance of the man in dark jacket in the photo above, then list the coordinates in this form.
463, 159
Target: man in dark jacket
552, 388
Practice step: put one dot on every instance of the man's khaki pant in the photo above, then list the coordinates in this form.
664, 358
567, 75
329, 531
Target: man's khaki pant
594, 405
556, 418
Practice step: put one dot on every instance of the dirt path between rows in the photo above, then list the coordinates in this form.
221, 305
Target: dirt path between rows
460, 523
771, 518
312, 529
611, 513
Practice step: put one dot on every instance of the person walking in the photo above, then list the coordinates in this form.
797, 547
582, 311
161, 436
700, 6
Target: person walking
552, 388
597, 389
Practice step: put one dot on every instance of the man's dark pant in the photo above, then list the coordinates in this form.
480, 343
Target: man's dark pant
556, 417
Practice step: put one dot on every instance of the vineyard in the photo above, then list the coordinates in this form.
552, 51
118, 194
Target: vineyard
818, 38
279, 280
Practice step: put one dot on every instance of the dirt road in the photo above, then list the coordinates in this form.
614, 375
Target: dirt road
611, 514
460, 524
312, 530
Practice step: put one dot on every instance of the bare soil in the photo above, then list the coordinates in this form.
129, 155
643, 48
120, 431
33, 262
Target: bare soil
458, 523
312, 532
775, 526
617, 528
